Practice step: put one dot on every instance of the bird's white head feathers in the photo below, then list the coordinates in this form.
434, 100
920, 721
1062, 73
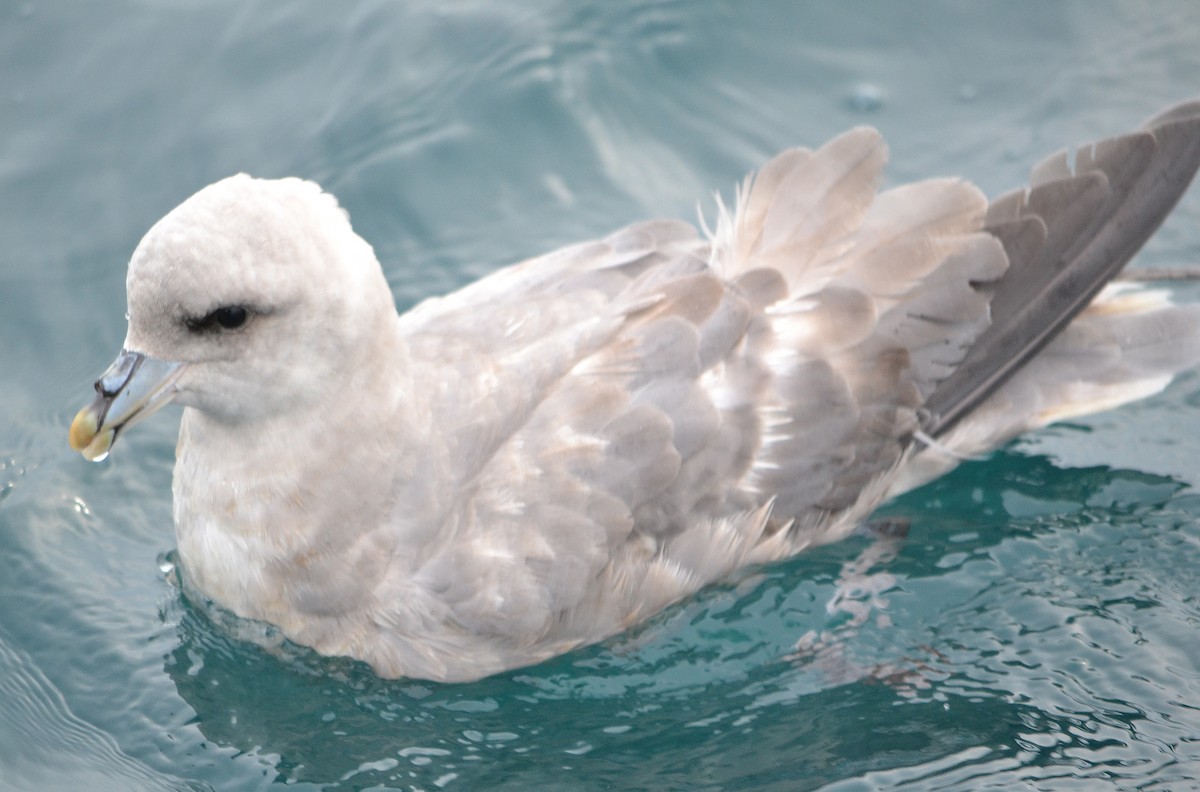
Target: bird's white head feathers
284, 252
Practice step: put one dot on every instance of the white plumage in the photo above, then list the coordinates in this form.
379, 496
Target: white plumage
563, 448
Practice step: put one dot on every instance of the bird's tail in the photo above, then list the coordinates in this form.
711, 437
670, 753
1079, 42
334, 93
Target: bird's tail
1128, 344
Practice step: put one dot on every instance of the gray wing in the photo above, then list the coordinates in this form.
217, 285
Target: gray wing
626, 420
580, 433
1066, 236
630, 419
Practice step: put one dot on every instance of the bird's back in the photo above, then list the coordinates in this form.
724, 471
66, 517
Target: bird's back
627, 420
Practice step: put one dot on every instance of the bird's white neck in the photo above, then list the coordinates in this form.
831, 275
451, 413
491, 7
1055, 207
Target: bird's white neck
254, 505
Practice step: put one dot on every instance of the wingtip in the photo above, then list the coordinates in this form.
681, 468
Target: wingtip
1187, 111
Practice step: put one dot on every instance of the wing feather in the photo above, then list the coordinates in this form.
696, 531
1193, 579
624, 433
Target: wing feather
660, 409
1096, 216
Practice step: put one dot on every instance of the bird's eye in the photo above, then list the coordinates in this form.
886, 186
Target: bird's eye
230, 317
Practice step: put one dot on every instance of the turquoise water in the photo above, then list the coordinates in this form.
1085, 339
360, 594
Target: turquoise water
1038, 628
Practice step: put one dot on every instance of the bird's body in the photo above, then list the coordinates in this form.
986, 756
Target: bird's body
558, 451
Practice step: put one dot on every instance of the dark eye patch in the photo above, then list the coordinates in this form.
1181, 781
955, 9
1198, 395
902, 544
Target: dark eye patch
227, 317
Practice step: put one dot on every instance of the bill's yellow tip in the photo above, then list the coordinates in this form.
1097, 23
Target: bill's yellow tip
97, 450
83, 429
86, 440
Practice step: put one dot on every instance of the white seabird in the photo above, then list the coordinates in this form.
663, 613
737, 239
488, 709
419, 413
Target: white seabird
556, 452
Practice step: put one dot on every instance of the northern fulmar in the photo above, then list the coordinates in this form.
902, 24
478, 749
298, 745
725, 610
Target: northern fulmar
561, 449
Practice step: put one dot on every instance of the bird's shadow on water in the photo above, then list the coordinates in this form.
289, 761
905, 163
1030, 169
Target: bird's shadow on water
791, 677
